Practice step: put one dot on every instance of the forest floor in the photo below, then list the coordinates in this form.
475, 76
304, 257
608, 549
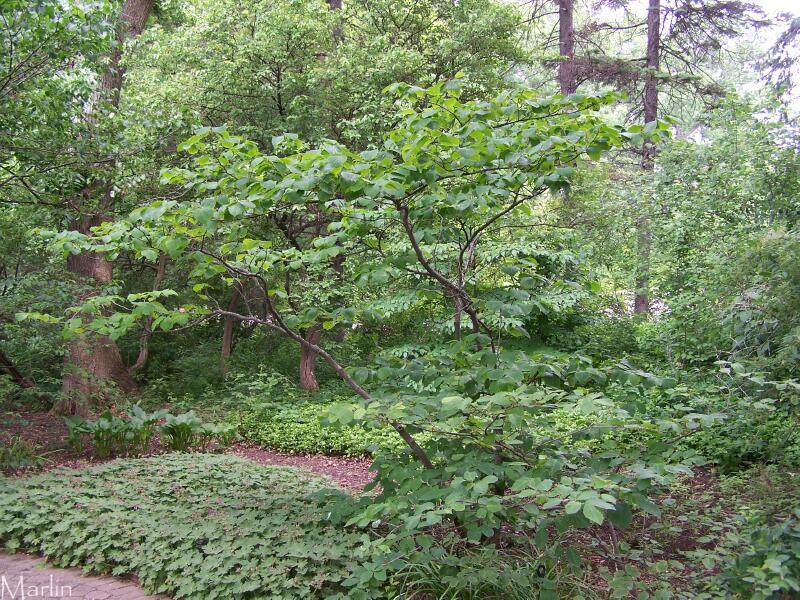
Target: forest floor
698, 510
46, 435
351, 473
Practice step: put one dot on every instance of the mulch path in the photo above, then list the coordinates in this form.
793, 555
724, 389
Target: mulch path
48, 434
349, 472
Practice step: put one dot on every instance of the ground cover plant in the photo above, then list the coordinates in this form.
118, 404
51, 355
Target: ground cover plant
192, 525
300, 427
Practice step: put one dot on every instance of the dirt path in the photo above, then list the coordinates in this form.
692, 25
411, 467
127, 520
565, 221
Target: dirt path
350, 472
23, 576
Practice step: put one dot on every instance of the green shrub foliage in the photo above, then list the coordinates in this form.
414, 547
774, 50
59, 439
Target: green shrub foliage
767, 564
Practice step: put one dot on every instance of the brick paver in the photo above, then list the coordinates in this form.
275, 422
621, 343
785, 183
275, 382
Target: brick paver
23, 576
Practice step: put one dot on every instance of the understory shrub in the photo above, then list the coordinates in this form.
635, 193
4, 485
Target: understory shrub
196, 526
746, 439
767, 564
605, 337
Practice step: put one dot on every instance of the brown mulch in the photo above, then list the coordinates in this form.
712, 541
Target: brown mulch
47, 435
351, 473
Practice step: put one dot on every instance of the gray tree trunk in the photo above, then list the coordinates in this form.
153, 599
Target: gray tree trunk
566, 47
641, 303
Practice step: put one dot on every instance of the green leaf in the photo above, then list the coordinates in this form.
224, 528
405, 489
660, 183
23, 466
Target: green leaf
621, 516
591, 512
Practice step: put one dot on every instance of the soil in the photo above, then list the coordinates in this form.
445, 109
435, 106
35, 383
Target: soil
349, 472
46, 435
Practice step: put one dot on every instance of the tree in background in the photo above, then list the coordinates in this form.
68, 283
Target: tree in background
49, 53
92, 360
317, 70
680, 42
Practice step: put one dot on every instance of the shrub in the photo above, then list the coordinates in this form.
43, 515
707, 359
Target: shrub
606, 337
768, 563
748, 438
195, 526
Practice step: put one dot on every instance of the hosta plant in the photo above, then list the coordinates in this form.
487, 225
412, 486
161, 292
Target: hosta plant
181, 432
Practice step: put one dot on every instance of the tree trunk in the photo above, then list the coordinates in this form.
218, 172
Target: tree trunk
566, 47
90, 360
458, 310
308, 360
147, 332
131, 23
641, 303
338, 32
227, 331
566, 73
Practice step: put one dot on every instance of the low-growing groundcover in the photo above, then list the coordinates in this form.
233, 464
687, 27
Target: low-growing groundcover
299, 427
192, 525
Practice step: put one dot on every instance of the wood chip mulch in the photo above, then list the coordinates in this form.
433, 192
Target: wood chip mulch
349, 472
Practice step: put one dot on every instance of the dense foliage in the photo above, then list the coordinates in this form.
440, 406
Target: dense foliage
550, 286
298, 427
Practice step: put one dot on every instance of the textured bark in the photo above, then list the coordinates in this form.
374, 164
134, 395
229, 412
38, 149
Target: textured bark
567, 71
566, 47
91, 359
227, 331
641, 303
147, 332
308, 359
458, 310
132, 20
651, 82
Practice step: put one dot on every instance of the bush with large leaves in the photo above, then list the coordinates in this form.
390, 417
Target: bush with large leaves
422, 217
